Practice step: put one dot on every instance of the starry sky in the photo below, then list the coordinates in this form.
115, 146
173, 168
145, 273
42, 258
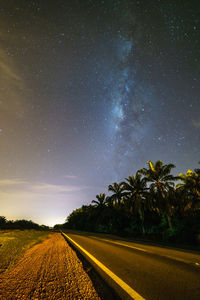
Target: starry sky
89, 92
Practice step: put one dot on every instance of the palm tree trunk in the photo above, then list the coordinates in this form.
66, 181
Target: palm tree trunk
169, 221
143, 229
142, 221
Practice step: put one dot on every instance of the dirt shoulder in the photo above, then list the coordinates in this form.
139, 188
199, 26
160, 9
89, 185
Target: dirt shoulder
50, 270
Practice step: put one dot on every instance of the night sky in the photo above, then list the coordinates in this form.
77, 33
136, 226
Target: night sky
89, 92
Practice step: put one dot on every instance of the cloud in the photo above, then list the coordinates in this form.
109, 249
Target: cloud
38, 187
42, 202
196, 123
51, 188
9, 74
11, 182
12, 103
6, 68
70, 176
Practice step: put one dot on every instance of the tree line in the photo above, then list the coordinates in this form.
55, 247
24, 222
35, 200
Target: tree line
20, 224
153, 203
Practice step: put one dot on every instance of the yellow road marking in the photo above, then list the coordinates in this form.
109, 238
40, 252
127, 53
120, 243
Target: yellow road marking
133, 294
117, 243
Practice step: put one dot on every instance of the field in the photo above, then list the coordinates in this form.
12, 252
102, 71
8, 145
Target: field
14, 243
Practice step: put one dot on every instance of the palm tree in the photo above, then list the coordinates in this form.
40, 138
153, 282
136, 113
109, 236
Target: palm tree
135, 187
182, 202
197, 170
117, 190
190, 186
101, 200
161, 181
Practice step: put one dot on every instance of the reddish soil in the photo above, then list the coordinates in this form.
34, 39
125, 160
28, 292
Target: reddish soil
50, 270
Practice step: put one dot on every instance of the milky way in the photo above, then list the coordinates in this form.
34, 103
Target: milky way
90, 91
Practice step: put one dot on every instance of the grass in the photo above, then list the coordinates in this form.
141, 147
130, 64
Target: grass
15, 242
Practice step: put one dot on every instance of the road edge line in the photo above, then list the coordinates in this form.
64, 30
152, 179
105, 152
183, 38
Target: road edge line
131, 292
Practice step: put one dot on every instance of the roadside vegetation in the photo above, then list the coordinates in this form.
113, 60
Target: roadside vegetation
20, 224
13, 243
152, 204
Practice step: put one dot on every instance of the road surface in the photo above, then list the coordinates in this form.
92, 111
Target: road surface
153, 272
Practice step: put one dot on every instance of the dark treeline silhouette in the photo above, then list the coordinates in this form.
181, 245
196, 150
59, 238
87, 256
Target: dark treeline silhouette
150, 204
20, 224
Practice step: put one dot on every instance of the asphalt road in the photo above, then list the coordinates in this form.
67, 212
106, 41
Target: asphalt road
154, 272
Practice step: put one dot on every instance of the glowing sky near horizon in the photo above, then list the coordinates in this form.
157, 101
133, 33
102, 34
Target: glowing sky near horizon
89, 92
